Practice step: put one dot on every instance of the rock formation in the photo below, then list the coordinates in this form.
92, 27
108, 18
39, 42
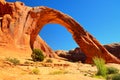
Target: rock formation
78, 55
15, 29
20, 26
72, 55
114, 49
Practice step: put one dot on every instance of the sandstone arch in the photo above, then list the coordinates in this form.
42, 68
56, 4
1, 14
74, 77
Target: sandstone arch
20, 25
88, 44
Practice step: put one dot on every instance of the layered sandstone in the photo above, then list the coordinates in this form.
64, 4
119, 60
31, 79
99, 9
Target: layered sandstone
114, 49
20, 26
14, 30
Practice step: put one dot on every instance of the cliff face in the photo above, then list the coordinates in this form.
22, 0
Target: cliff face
20, 26
15, 23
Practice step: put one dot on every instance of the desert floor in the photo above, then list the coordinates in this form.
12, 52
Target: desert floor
57, 70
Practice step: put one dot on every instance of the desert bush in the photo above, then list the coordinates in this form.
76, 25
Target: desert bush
37, 55
35, 71
116, 77
113, 77
58, 72
26, 62
15, 61
49, 61
112, 70
100, 64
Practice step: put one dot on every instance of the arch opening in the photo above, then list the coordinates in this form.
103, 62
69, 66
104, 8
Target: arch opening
57, 37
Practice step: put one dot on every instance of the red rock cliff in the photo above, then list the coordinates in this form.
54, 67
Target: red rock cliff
14, 32
20, 26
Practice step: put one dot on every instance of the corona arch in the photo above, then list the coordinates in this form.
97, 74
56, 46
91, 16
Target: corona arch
88, 44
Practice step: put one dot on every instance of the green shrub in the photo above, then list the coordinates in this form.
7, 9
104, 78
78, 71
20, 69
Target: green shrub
15, 61
116, 77
35, 71
37, 55
100, 64
26, 62
49, 61
113, 77
58, 72
112, 70
109, 77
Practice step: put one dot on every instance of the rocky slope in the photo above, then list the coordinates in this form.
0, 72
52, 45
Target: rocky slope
114, 49
20, 26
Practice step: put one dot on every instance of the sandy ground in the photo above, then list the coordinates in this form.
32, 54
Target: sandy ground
18, 72
57, 70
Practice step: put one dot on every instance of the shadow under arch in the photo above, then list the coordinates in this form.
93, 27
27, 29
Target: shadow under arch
88, 44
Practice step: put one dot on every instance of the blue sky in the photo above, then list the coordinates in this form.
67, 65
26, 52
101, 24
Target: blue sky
101, 18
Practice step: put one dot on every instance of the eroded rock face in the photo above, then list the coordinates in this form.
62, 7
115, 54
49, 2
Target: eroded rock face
114, 49
41, 44
20, 26
14, 29
75, 55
